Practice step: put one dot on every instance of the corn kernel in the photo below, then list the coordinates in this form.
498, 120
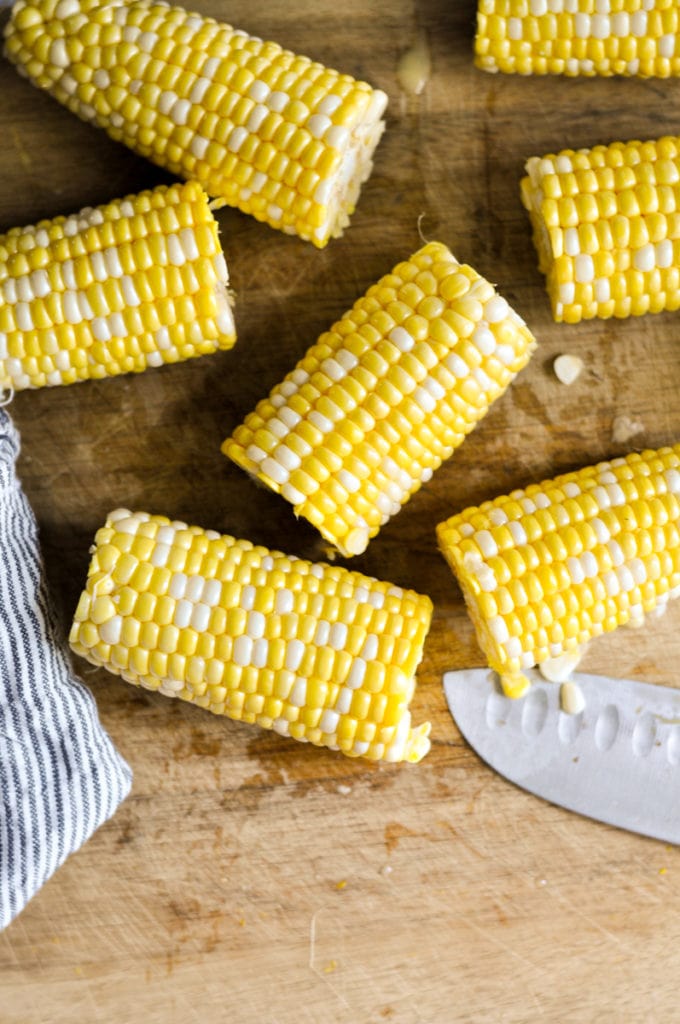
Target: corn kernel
297, 647
89, 304
617, 546
612, 252
383, 402
268, 137
630, 38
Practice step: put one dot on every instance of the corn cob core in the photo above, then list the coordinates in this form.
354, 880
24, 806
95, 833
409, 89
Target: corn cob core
274, 134
384, 397
136, 283
545, 569
579, 37
315, 652
606, 225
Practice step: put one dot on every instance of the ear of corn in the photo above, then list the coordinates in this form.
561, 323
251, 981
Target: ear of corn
579, 37
545, 569
136, 283
384, 397
315, 652
274, 134
606, 227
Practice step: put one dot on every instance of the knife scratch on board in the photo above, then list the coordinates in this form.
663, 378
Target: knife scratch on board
312, 956
281, 282
507, 948
608, 934
24, 155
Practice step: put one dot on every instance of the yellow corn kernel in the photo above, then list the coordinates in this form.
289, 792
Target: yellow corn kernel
613, 253
384, 397
273, 134
311, 651
82, 312
582, 37
608, 552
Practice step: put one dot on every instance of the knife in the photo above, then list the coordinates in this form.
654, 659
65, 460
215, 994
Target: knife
617, 761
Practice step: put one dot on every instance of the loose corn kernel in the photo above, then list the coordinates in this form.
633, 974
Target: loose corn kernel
617, 557
612, 253
579, 37
384, 397
92, 305
312, 651
276, 135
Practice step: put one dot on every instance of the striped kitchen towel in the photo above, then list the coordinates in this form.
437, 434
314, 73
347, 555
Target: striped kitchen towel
60, 775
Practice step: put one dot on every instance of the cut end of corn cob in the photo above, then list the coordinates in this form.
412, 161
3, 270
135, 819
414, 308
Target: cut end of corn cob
384, 397
543, 570
579, 37
312, 651
139, 282
274, 134
606, 224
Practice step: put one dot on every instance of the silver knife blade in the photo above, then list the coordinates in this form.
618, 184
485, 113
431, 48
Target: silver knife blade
618, 761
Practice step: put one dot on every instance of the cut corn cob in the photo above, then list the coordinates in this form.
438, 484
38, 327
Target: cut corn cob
384, 397
545, 569
137, 283
579, 37
276, 135
315, 652
606, 225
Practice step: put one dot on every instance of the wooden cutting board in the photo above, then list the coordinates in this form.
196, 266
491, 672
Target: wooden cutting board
248, 878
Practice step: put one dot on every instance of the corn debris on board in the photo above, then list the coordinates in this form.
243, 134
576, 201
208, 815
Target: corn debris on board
274, 134
606, 225
545, 569
136, 283
312, 651
579, 37
384, 397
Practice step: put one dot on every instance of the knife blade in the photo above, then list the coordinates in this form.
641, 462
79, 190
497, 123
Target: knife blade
617, 761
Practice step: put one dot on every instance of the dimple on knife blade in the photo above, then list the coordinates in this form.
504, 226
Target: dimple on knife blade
617, 760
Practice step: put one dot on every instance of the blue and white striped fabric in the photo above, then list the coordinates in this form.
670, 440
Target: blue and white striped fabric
60, 775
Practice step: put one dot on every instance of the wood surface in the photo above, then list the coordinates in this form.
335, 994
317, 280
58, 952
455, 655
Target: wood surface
249, 878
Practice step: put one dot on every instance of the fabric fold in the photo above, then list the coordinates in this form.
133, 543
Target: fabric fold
60, 775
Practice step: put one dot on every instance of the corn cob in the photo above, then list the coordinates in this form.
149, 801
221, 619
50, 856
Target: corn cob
606, 225
384, 397
543, 570
139, 282
315, 652
579, 37
274, 134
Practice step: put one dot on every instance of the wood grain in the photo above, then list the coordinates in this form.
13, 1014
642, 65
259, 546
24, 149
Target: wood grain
248, 878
